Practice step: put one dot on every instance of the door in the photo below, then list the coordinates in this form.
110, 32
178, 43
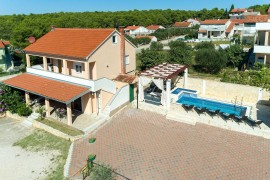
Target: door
131, 92
77, 104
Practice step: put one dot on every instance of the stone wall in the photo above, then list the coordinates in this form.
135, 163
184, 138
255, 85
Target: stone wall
227, 91
55, 132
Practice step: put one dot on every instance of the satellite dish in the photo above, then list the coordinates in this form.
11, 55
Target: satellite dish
31, 39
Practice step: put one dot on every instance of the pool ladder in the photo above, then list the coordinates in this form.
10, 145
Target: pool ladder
235, 101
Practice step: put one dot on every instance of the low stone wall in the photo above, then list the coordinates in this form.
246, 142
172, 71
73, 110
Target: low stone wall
15, 116
227, 91
55, 132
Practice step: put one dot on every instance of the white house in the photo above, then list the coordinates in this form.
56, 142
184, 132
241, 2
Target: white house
193, 21
237, 13
136, 30
153, 28
213, 28
262, 43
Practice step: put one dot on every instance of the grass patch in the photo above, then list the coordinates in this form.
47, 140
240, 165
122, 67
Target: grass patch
62, 127
41, 140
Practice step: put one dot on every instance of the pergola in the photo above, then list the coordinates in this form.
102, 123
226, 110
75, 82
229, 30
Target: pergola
158, 74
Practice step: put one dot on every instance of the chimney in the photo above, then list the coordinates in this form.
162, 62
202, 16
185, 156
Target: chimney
122, 50
52, 28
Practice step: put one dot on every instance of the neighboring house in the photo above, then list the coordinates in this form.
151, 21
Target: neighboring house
193, 21
237, 13
182, 24
136, 30
249, 28
5, 57
213, 29
262, 43
78, 68
153, 38
153, 28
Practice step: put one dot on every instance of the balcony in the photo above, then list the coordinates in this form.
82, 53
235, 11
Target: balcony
95, 85
261, 49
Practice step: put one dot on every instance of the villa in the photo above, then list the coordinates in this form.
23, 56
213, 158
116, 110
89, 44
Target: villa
76, 69
136, 30
213, 28
153, 28
5, 58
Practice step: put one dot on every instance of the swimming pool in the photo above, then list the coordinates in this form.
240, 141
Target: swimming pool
179, 90
186, 98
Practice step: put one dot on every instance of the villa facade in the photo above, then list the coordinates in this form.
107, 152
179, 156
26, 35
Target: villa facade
76, 68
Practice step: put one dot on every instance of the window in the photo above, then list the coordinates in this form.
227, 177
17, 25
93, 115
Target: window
127, 59
78, 68
114, 39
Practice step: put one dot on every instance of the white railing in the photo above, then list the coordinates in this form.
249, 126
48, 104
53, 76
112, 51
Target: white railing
120, 98
95, 85
263, 26
261, 49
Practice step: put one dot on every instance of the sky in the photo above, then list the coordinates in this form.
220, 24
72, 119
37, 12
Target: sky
8, 7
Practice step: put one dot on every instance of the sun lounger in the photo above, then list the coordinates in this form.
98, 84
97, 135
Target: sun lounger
254, 123
212, 113
200, 110
188, 107
227, 116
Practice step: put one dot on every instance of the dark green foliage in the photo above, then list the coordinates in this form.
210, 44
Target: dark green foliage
11, 97
204, 45
102, 172
18, 28
260, 8
156, 46
149, 58
210, 60
163, 34
180, 53
258, 66
142, 41
235, 55
23, 110
251, 77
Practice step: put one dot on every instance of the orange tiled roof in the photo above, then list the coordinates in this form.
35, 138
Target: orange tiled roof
130, 79
153, 27
256, 18
238, 10
2, 45
214, 21
137, 37
182, 24
202, 31
230, 27
52, 89
72, 43
6, 43
132, 27
238, 21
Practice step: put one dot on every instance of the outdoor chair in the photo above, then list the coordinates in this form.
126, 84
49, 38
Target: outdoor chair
227, 116
239, 119
187, 107
213, 113
200, 110
253, 123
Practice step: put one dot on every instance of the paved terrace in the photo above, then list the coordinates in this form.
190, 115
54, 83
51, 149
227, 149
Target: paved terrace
145, 145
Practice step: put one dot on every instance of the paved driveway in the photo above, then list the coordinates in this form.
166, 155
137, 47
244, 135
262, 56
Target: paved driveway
145, 145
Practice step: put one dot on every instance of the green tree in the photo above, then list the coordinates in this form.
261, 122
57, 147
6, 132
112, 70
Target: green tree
204, 45
235, 55
210, 60
180, 53
102, 172
156, 46
149, 58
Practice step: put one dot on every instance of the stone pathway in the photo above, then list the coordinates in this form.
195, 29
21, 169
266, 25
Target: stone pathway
145, 145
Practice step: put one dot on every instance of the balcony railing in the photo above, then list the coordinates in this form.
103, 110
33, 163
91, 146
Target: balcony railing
262, 49
95, 85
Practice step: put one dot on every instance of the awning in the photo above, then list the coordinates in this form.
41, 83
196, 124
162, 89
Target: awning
52, 89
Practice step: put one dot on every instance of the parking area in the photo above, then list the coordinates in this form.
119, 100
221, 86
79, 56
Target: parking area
145, 145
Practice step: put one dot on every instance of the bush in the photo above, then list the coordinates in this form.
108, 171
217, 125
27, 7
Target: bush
10, 97
258, 66
156, 46
204, 45
150, 58
180, 53
102, 172
23, 110
210, 60
41, 110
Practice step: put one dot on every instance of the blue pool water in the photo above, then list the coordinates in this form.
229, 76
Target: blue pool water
189, 99
178, 90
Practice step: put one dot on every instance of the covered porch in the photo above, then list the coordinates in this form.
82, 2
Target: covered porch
54, 95
155, 84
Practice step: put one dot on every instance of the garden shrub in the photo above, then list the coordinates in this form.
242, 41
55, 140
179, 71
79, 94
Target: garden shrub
23, 110
102, 172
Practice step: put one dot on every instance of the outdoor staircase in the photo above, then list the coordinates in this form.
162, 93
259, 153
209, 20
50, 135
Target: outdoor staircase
29, 121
